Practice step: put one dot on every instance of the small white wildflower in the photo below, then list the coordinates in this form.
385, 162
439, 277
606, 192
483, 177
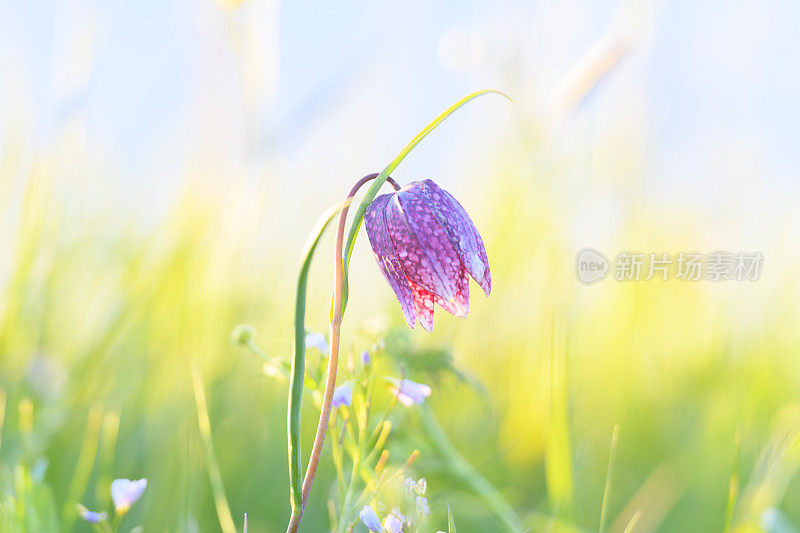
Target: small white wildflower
125, 493
394, 521
371, 519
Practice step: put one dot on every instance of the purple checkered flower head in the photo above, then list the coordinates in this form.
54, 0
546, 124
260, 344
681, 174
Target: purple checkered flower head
427, 247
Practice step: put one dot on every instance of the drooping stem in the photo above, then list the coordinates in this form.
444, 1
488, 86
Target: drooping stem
358, 218
333, 360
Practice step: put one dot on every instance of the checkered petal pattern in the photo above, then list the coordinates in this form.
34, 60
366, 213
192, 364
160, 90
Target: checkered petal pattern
427, 247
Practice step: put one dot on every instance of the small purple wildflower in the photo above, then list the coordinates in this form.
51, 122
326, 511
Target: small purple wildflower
409, 392
427, 246
365, 358
125, 493
318, 341
91, 516
342, 395
371, 519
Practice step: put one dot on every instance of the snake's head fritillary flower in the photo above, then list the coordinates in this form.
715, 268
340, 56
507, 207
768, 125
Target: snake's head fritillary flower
370, 519
91, 516
410, 392
125, 493
427, 247
342, 395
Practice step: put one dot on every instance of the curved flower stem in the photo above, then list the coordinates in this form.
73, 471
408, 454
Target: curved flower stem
341, 263
358, 218
333, 360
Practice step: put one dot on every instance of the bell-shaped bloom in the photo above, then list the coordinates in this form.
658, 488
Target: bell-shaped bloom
370, 519
342, 395
427, 247
410, 392
125, 493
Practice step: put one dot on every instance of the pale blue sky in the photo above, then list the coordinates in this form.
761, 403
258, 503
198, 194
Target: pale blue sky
715, 76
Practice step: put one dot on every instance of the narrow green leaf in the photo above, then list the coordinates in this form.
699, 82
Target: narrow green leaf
298, 358
381, 179
609, 473
558, 461
83, 465
633, 521
451, 524
214, 475
733, 485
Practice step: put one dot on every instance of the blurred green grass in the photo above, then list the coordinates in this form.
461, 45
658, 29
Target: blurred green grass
101, 318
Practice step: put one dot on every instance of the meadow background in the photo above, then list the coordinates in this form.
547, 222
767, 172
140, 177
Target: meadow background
161, 164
